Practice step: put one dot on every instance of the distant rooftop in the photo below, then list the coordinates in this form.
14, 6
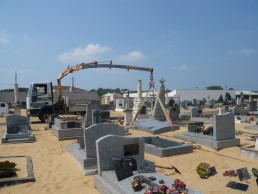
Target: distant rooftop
68, 88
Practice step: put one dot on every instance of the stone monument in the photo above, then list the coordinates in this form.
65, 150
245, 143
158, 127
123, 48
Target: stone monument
128, 117
253, 105
221, 135
18, 130
67, 128
137, 103
158, 113
115, 175
84, 152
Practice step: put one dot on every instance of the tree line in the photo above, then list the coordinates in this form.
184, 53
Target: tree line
12, 90
103, 91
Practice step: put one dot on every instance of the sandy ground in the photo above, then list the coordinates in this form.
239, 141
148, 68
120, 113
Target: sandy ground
57, 172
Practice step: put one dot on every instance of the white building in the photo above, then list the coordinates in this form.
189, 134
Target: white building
199, 94
112, 97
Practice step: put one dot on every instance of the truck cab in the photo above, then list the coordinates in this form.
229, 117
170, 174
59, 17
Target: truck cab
40, 94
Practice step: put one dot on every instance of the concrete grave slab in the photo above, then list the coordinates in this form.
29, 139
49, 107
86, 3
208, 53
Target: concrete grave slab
14, 180
165, 148
153, 126
107, 183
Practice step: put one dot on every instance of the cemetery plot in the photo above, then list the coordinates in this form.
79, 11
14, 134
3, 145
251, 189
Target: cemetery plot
164, 148
84, 152
67, 128
18, 130
118, 178
220, 135
23, 170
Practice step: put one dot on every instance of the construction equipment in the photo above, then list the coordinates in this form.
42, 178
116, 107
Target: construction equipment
41, 102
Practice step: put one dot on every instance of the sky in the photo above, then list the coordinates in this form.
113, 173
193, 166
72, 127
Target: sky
190, 43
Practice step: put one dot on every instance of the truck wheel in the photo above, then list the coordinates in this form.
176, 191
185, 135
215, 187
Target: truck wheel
44, 116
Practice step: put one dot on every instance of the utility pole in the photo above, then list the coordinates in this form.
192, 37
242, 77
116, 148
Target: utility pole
72, 87
15, 90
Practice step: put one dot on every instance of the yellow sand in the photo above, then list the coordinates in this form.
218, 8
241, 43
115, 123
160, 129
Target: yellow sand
57, 172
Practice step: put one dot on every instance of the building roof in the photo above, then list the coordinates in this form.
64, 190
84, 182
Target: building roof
9, 97
68, 88
246, 92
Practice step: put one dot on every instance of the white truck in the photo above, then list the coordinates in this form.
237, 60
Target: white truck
42, 101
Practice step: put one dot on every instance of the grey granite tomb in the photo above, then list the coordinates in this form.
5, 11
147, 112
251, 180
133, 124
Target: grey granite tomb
174, 112
70, 129
165, 148
109, 147
84, 152
253, 105
195, 114
222, 135
100, 116
18, 130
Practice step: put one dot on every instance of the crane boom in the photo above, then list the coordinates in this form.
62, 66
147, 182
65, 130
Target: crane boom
94, 64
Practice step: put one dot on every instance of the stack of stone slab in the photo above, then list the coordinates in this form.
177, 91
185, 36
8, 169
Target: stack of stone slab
222, 136
67, 128
110, 147
84, 152
18, 130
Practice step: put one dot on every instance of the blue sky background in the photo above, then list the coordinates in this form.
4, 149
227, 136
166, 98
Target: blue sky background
189, 43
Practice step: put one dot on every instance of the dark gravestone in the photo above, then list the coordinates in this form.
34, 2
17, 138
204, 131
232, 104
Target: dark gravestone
171, 102
253, 105
71, 124
195, 127
100, 116
122, 168
243, 174
143, 110
131, 149
17, 124
18, 130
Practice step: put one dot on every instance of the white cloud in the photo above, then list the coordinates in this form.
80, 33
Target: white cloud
184, 68
243, 52
4, 38
134, 56
91, 52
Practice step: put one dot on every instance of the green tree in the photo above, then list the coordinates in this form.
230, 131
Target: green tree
214, 88
228, 96
12, 90
220, 99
